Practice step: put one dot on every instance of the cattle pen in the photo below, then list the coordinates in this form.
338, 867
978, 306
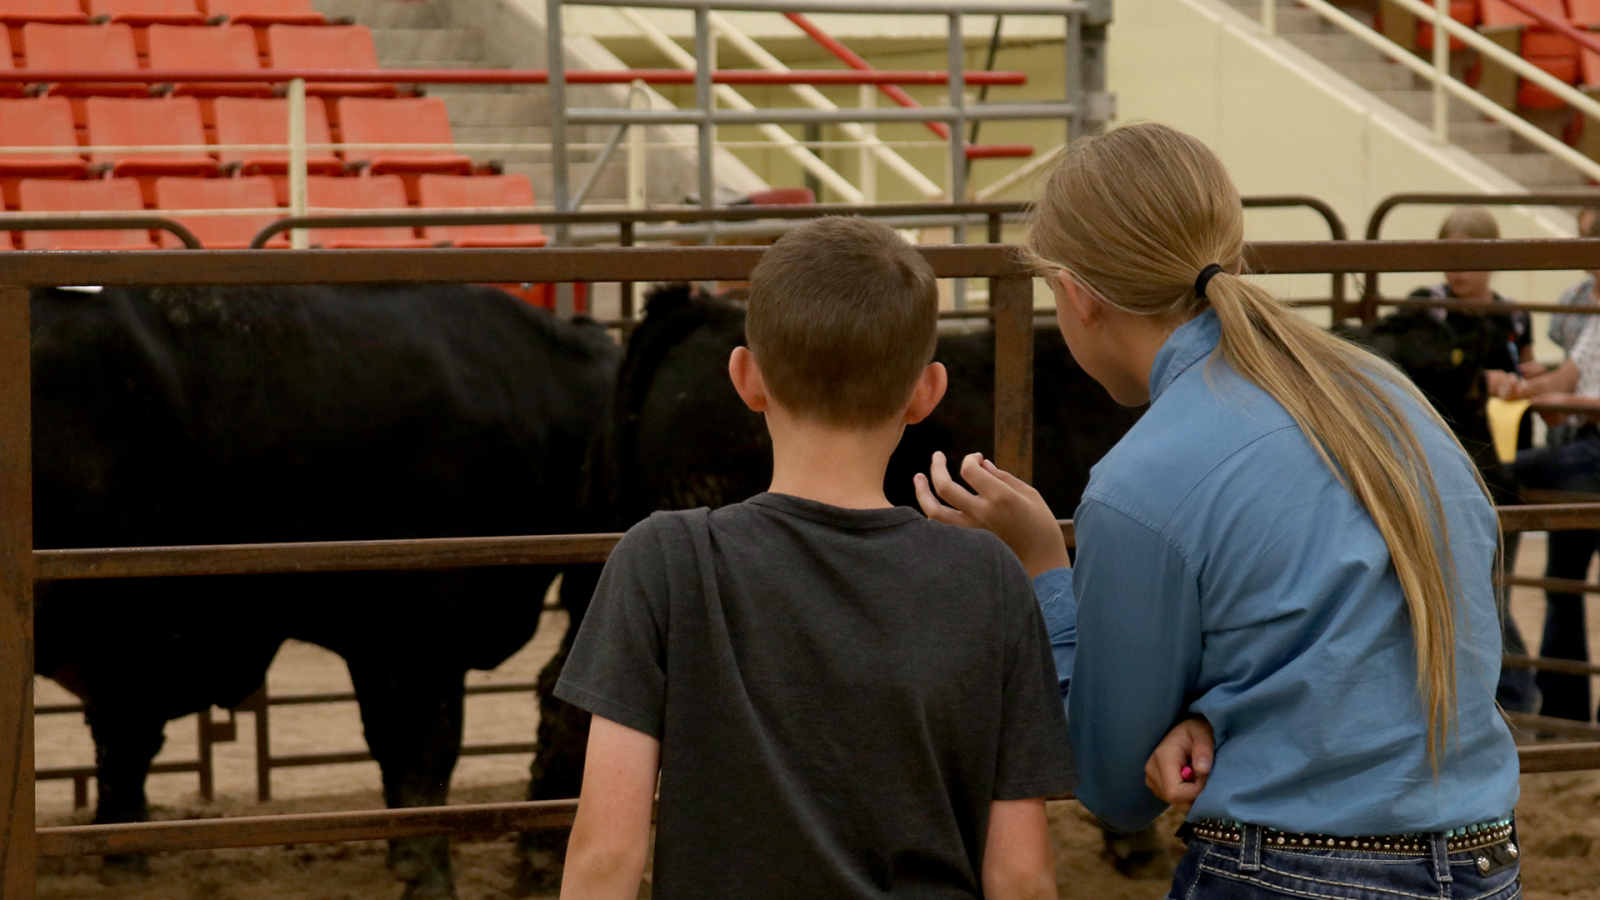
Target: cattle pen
1011, 309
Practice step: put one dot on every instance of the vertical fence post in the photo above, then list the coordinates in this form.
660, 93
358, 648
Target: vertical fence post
869, 160
638, 99
555, 48
958, 137
1072, 75
705, 102
1011, 300
1441, 70
17, 850
299, 238
1269, 17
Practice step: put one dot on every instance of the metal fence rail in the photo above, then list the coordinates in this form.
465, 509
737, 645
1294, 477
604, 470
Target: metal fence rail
1011, 297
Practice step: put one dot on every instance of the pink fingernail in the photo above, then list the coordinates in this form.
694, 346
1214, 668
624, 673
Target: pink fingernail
1186, 773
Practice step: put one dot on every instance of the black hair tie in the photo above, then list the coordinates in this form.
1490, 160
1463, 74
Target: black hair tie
1204, 279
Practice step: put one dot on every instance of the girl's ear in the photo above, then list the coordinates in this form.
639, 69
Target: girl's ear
1080, 301
746, 377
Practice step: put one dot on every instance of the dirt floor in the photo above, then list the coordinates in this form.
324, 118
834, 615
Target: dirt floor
1559, 814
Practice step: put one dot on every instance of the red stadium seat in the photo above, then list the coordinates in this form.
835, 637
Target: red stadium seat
231, 48
80, 48
375, 192
1541, 45
407, 120
241, 121
16, 13
1585, 14
45, 122
328, 47
219, 232
10, 89
265, 12
171, 121
148, 12
443, 192
113, 195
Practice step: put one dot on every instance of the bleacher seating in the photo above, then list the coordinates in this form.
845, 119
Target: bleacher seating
327, 47
110, 195
443, 192
265, 12
16, 13
242, 121
125, 122
219, 232
78, 48
12, 89
230, 48
374, 192
408, 120
42, 122
148, 12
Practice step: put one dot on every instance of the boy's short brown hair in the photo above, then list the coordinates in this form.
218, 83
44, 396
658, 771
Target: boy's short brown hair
843, 318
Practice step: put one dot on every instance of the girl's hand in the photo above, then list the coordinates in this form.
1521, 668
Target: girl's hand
1003, 504
1177, 770
1504, 385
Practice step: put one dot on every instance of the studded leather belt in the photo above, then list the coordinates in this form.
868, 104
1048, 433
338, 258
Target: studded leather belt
1494, 842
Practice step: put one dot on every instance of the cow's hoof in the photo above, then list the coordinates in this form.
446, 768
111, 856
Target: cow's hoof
121, 870
431, 886
1141, 855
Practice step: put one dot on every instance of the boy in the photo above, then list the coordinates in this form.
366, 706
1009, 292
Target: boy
843, 699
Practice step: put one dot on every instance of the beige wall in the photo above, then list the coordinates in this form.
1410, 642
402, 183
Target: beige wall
1285, 123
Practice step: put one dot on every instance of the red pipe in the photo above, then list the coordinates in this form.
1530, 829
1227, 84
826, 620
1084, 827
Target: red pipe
885, 79
1582, 38
999, 151
849, 58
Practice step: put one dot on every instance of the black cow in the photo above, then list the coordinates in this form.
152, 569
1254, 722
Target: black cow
205, 415
680, 437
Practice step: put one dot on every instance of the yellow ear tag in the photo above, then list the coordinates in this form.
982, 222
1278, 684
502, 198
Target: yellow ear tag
1456, 356
1505, 419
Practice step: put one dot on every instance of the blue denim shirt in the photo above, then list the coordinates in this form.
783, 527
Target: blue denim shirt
1223, 570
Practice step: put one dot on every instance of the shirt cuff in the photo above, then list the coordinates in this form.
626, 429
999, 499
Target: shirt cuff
1060, 608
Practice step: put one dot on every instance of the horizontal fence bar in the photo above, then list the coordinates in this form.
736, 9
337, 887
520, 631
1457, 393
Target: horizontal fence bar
456, 553
987, 111
501, 76
302, 760
99, 222
1546, 664
1550, 725
874, 7
225, 267
308, 828
1559, 585
487, 818
328, 556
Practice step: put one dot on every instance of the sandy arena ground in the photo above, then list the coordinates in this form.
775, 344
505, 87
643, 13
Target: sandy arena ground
1559, 813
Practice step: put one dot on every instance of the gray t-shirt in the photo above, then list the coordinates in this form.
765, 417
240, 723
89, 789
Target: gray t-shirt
840, 694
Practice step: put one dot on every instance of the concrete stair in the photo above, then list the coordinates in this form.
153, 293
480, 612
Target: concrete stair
1395, 85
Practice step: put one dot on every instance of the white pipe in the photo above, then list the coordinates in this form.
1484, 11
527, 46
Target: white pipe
867, 159
638, 98
1483, 104
810, 161
1021, 173
299, 238
1269, 17
817, 100
1441, 66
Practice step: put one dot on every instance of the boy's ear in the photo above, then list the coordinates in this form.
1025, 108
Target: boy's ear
746, 376
927, 392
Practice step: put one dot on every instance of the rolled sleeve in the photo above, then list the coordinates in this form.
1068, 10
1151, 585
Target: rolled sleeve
1059, 605
1139, 620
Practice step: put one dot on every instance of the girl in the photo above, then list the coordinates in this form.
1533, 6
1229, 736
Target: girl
1289, 548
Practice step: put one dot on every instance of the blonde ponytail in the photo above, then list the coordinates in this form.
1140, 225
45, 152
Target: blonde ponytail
1135, 215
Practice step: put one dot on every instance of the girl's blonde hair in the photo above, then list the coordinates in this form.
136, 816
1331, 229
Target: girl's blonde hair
1134, 215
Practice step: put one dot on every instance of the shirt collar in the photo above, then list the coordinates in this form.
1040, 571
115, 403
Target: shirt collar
1191, 342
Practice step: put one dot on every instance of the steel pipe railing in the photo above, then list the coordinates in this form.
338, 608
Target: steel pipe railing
1012, 297
499, 76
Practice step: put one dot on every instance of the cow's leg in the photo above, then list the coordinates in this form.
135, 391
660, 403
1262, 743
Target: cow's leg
125, 743
557, 770
1565, 633
412, 718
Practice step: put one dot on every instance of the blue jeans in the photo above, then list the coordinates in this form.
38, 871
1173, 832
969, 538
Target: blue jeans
1212, 871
